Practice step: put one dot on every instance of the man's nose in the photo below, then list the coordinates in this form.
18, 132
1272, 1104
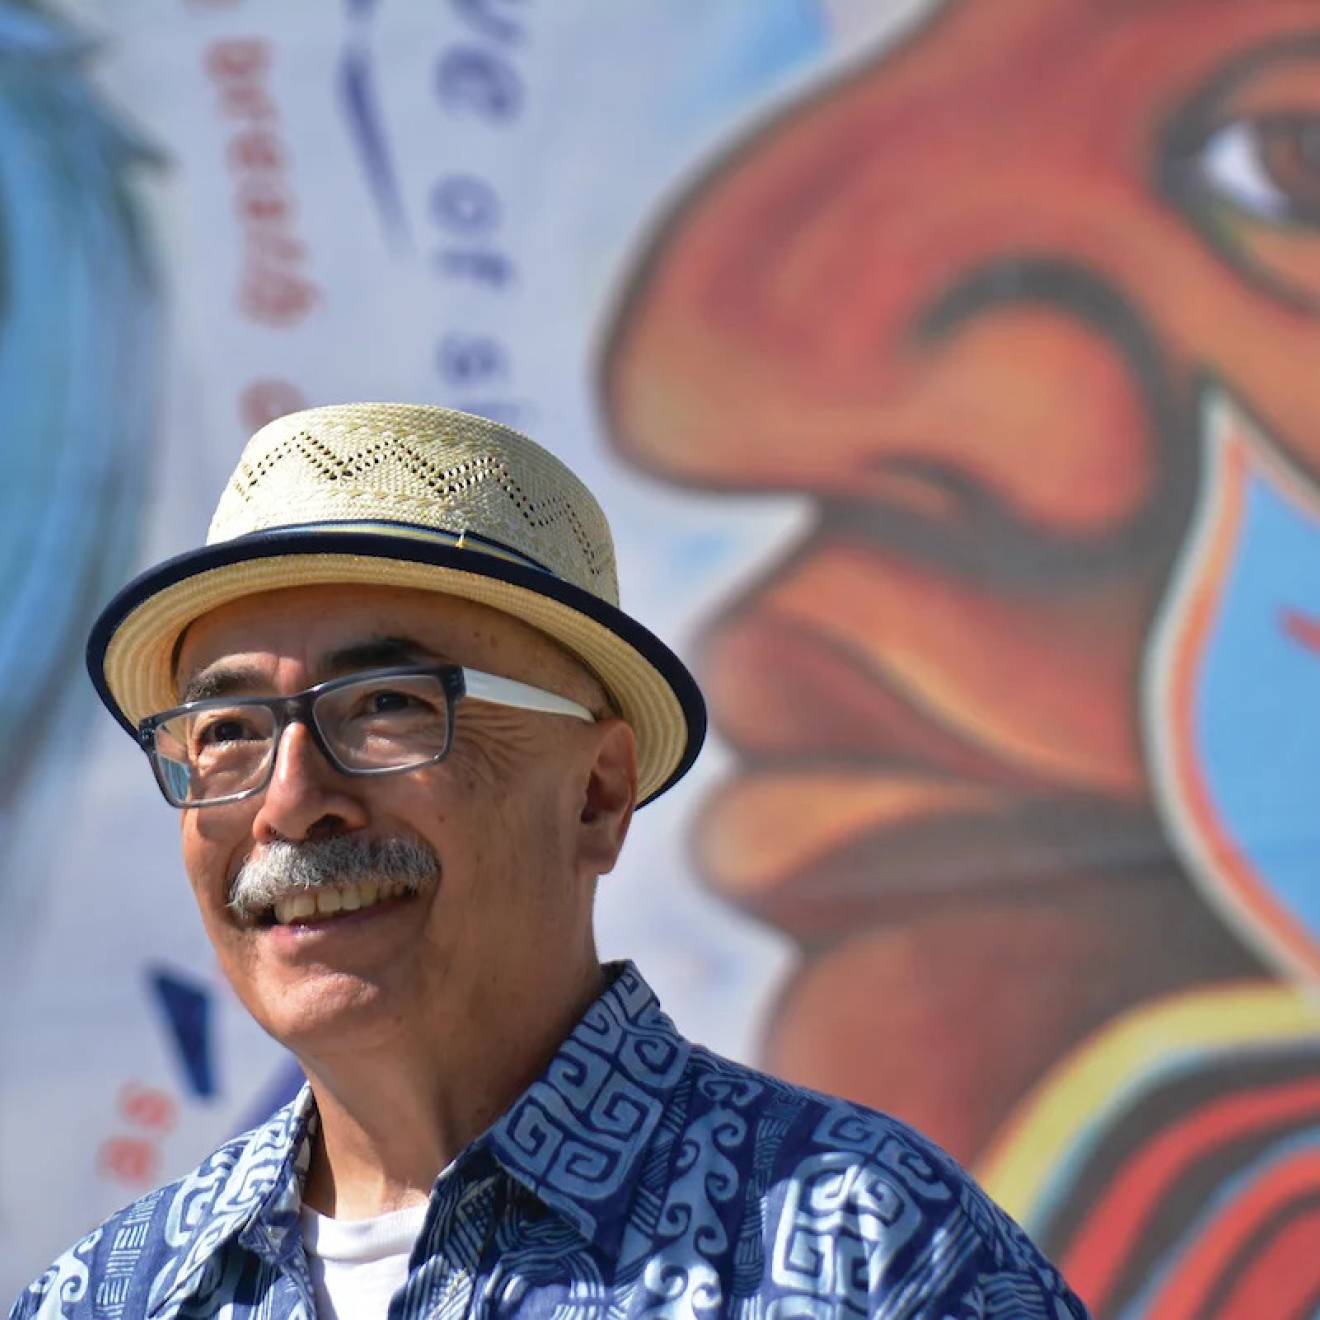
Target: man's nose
306, 797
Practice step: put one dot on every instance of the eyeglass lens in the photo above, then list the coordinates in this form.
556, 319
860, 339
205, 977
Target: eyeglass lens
374, 724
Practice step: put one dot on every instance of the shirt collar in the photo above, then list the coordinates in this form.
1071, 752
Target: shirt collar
576, 1139
249, 1190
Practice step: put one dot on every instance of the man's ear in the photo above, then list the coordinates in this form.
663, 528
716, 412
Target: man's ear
609, 798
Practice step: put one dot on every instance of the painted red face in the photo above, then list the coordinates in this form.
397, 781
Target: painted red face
967, 298
1034, 218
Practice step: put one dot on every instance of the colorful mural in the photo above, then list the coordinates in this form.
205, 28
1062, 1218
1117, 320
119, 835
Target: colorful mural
1025, 725
945, 369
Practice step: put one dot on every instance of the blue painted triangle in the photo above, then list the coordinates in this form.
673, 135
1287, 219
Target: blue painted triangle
187, 1008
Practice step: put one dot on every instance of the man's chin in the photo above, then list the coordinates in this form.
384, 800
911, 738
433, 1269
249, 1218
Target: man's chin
303, 978
325, 1012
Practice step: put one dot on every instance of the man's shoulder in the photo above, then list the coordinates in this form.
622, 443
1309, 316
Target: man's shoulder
125, 1261
814, 1123
800, 1122
840, 1181
74, 1283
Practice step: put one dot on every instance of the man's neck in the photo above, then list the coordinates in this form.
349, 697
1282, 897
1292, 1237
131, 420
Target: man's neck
395, 1112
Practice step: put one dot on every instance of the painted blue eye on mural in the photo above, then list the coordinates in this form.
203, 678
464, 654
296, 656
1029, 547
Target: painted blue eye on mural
77, 367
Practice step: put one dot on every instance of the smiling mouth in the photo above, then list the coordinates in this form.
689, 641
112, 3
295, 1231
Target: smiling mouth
310, 906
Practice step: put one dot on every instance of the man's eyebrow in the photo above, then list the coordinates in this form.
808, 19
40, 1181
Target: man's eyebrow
378, 653
220, 680
223, 680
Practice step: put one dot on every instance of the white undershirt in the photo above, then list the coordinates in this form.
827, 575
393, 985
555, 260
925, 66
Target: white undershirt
357, 1265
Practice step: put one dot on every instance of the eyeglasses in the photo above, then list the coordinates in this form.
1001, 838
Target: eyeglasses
382, 722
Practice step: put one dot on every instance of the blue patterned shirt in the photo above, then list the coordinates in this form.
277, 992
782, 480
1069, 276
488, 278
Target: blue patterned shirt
641, 1175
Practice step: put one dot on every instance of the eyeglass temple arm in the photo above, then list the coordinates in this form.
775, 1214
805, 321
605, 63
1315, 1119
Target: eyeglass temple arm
510, 692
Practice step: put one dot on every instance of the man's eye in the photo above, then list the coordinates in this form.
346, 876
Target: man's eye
388, 702
1267, 168
225, 729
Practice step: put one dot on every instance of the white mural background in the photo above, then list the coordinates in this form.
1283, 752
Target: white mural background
353, 201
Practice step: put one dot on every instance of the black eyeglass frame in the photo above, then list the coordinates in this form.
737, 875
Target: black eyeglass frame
456, 682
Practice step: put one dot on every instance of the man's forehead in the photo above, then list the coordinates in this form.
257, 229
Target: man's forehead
342, 627
339, 628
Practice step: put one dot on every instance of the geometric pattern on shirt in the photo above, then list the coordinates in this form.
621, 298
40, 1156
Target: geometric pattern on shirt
639, 1175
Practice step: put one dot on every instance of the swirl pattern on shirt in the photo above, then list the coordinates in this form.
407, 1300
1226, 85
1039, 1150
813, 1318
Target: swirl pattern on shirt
640, 1175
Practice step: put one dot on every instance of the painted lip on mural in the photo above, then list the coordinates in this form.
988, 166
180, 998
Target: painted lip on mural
797, 684
817, 848
848, 786
861, 744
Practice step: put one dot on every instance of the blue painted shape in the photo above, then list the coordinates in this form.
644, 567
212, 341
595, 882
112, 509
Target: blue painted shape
78, 338
1258, 699
739, 53
360, 104
187, 1009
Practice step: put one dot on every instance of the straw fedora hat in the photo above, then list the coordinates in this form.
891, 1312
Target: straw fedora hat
410, 496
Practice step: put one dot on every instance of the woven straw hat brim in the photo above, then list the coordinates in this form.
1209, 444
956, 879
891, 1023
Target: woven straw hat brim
131, 649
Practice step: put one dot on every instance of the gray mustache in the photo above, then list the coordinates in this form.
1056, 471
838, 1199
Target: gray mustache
282, 869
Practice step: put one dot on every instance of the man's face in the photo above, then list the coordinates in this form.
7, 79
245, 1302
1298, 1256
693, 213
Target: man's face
503, 815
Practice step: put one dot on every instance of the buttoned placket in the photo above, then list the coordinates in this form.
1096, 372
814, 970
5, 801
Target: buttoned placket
275, 1236
446, 1262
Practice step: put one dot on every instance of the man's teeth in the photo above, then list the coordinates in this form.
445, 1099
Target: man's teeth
341, 898
299, 905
